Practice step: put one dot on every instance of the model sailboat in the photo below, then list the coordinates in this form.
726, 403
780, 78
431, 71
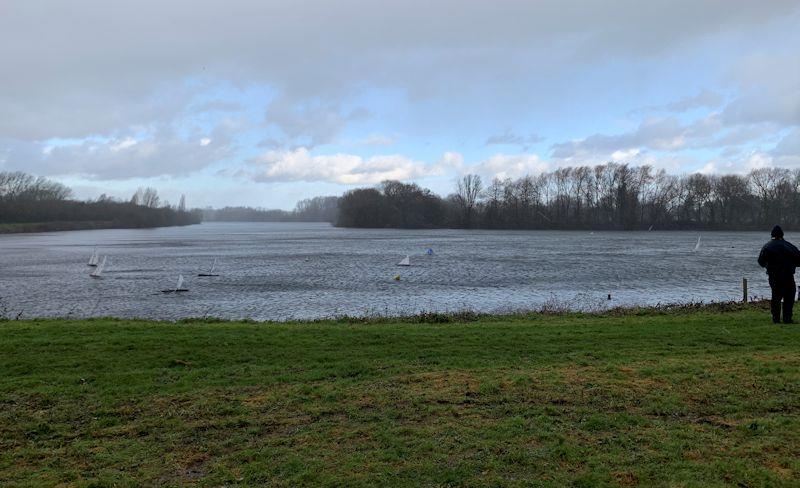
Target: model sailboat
178, 288
211, 271
98, 270
94, 259
405, 262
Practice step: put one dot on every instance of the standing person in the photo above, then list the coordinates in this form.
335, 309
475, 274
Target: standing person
780, 258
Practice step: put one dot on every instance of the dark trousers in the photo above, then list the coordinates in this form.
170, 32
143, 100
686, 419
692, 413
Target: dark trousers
783, 288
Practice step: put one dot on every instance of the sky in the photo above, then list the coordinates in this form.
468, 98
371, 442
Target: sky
263, 103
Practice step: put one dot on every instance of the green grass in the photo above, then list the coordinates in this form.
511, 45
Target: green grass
680, 399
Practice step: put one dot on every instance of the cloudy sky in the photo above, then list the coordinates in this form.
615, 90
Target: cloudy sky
248, 102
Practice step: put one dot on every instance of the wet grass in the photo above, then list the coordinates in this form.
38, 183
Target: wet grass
685, 398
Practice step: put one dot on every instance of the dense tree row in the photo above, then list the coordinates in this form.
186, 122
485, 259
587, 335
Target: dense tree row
28, 199
317, 209
609, 196
394, 204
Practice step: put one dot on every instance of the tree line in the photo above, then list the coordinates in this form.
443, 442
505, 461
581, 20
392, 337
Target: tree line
27, 199
317, 209
609, 196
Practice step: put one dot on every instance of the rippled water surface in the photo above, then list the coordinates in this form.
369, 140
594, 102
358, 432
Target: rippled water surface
278, 271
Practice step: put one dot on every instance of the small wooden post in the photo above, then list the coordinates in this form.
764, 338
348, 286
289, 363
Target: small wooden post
744, 290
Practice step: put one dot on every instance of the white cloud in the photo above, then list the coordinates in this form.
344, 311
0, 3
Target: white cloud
348, 169
510, 166
452, 160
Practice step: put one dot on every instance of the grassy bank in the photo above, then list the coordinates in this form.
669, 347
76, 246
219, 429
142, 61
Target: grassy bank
680, 399
27, 227
30, 227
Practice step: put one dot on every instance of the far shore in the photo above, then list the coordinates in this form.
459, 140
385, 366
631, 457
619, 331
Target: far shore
34, 227
60, 226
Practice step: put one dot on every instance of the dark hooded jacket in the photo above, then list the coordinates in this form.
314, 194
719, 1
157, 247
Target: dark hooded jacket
780, 258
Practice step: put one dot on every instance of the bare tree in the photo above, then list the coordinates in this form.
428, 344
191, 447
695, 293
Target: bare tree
494, 193
468, 191
150, 198
17, 185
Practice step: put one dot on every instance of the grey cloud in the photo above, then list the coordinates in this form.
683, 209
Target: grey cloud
703, 99
659, 134
509, 138
377, 140
219, 106
80, 114
96, 63
765, 106
310, 124
668, 135
162, 154
769, 87
789, 145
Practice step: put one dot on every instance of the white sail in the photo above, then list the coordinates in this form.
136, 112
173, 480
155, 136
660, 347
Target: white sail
697, 246
213, 265
180, 283
94, 259
99, 269
405, 262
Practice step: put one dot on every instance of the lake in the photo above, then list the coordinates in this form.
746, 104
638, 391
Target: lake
280, 271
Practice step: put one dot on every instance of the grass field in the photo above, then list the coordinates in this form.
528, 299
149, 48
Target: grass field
681, 399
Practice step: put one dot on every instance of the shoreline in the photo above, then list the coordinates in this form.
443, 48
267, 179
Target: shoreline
64, 226
458, 317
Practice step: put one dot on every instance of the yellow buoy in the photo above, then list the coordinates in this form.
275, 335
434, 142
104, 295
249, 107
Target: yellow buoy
397, 278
